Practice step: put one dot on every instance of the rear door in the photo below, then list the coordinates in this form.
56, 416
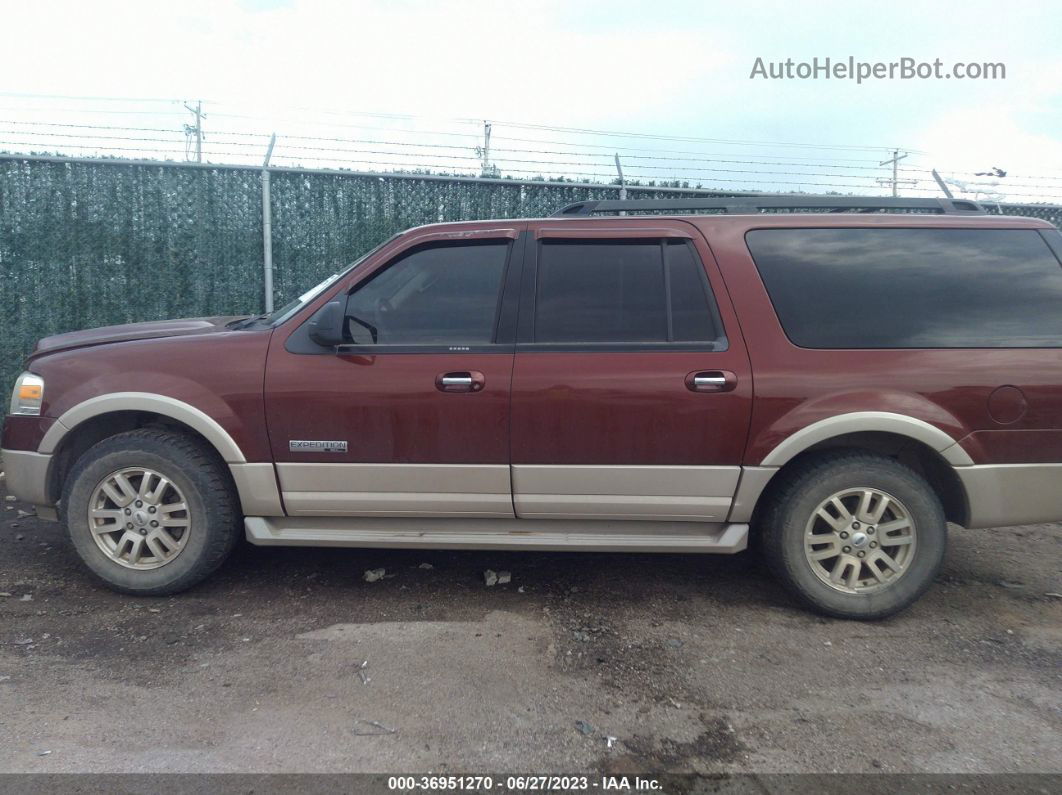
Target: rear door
632, 389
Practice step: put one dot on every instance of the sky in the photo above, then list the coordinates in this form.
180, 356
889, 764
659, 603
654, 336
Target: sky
679, 69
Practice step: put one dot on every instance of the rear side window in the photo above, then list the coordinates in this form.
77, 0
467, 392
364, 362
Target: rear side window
912, 288
692, 318
622, 292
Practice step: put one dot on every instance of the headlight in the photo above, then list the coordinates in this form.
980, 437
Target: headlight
28, 395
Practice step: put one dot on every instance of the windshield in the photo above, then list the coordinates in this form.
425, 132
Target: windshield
278, 316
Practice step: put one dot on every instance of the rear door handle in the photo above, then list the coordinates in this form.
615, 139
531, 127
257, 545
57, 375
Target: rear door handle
711, 381
466, 381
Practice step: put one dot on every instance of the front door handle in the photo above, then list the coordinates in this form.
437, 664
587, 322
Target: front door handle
711, 381
466, 381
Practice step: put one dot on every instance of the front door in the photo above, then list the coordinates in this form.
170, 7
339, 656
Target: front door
632, 388
411, 416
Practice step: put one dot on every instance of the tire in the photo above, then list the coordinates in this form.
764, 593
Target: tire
867, 587
178, 548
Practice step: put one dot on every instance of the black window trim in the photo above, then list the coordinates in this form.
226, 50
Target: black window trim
1053, 238
1053, 246
525, 342
504, 331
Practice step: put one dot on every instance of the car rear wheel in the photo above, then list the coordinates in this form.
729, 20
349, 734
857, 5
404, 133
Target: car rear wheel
854, 535
151, 511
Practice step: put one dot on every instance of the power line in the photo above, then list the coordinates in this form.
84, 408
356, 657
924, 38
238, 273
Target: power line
612, 147
413, 117
305, 123
521, 125
211, 152
473, 157
649, 136
539, 155
608, 155
699, 156
96, 111
28, 95
516, 124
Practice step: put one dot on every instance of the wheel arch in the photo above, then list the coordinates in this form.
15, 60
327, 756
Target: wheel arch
884, 422
760, 483
122, 403
99, 418
95, 429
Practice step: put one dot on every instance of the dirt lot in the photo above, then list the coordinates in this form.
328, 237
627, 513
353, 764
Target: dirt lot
695, 664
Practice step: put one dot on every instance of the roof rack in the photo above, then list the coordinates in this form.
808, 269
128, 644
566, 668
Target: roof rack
757, 204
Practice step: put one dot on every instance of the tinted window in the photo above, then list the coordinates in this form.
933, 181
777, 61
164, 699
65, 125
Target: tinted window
912, 288
434, 296
691, 317
609, 292
600, 292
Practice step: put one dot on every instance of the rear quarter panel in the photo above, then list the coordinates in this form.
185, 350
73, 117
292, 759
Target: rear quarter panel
949, 389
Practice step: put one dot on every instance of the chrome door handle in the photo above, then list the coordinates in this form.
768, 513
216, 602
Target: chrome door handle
711, 381
708, 381
470, 381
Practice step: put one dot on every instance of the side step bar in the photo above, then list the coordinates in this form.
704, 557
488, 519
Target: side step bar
544, 534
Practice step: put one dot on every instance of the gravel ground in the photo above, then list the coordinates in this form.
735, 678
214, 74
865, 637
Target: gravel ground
693, 664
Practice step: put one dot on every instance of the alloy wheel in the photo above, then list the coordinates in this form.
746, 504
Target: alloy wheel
860, 540
139, 518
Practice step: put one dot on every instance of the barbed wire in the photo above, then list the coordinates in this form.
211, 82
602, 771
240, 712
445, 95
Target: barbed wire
577, 157
285, 137
225, 148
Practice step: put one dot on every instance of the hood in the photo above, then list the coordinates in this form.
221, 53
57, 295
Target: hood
132, 331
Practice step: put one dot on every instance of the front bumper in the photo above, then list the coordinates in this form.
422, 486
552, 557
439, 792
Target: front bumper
27, 476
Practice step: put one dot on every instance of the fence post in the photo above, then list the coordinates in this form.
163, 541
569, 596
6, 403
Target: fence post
267, 229
623, 184
940, 183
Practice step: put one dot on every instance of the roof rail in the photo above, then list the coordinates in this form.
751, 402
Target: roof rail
757, 204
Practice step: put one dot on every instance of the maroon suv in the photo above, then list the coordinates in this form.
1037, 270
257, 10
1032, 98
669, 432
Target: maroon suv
835, 385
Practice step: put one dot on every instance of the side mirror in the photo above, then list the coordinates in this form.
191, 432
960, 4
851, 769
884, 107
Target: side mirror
326, 326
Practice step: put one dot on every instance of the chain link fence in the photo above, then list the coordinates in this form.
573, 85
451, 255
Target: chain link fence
88, 243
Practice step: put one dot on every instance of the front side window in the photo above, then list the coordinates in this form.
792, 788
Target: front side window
597, 292
441, 295
292, 308
912, 288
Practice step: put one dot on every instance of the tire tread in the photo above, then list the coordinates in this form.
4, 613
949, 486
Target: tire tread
771, 523
201, 464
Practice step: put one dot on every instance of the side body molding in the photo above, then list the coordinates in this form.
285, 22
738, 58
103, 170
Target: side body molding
144, 401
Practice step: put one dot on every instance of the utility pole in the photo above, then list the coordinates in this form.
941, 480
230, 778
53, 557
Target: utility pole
197, 129
486, 168
895, 160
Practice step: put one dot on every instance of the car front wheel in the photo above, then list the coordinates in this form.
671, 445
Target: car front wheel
151, 511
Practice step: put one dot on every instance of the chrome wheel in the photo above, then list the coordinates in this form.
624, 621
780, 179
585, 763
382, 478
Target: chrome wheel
860, 540
139, 518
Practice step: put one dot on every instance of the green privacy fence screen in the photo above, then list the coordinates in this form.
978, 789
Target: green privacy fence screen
89, 243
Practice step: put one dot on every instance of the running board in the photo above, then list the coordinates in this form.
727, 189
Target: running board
543, 534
